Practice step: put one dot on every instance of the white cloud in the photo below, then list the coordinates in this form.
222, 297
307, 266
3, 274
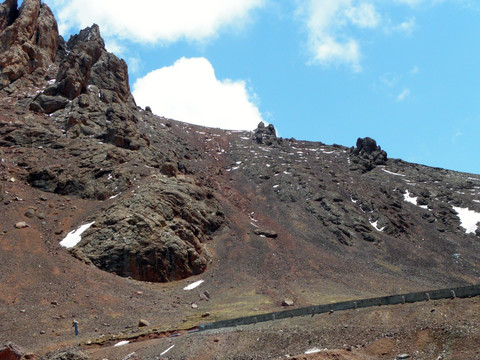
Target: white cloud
403, 95
364, 16
327, 22
150, 21
407, 26
189, 91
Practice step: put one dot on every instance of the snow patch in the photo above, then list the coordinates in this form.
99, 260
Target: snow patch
193, 285
392, 173
75, 236
313, 351
170, 348
468, 219
375, 225
121, 343
413, 200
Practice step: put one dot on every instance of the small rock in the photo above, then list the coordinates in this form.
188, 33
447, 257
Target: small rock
216, 340
207, 294
12, 179
58, 232
21, 225
42, 332
138, 292
194, 306
204, 315
403, 356
265, 232
30, 213
142, 323
287, 302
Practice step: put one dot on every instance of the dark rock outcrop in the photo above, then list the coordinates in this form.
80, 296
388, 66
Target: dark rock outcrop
366, 155
156, 234
265, 134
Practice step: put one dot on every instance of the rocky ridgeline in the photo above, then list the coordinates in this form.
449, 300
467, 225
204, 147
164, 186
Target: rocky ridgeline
77, 131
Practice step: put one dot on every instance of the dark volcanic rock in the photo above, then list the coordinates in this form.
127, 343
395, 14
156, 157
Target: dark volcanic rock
265, 134
267, 233
156, 234
366, 155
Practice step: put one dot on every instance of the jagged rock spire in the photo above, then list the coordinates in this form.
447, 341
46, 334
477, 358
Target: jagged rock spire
28, 39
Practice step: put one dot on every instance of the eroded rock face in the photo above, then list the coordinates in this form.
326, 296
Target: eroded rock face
156, 234
28, 40
366, 155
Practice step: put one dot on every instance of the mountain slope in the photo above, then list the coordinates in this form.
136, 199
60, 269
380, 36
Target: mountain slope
259, 218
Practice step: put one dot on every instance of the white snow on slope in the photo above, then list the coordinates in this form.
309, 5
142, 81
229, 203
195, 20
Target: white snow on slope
413, 200
313, 351
170, 348
193, 285
392, 173
75, 236
375, 225
468, 219
121, 343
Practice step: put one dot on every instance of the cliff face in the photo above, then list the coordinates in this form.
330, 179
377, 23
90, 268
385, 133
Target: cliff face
72, 100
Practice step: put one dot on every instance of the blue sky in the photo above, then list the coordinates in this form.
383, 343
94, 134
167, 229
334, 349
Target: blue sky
405, 72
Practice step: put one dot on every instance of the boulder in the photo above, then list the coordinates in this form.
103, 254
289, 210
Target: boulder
143, 323
48, 104
21, 225
157, 234
266, 232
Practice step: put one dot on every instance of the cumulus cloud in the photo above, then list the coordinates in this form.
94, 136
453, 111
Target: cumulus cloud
150, 21
327, 22
189, 91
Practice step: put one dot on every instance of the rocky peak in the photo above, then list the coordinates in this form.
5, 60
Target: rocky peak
366, 155
28, 41
265, 134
